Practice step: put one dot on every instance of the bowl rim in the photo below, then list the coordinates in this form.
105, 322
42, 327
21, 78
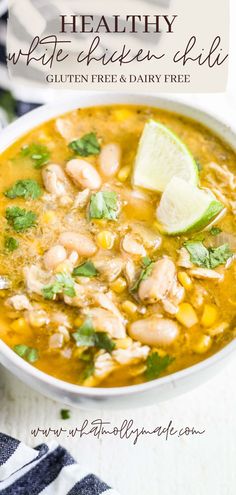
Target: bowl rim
44, 114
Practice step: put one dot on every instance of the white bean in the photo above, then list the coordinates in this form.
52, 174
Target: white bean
55, 180
109, 160
81, 243
83, 174
54, 256
154, 331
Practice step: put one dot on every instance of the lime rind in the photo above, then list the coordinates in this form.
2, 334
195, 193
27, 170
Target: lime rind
162, 155
186, 208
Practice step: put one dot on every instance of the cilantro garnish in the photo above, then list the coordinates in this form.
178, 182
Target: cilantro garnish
86, 145
28, 353
20, 219
87, 269
27, 188
147, 265
215, 231
65, 414
205, 257
86, 336
38, 153
11, 244
63, 284
104, 204
156, 365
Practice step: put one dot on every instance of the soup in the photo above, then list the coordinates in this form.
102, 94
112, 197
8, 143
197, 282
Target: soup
91, 289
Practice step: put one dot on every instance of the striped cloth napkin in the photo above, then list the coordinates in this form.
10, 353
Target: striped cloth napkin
46, 470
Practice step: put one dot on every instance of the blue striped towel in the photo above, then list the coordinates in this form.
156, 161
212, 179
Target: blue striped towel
46, 470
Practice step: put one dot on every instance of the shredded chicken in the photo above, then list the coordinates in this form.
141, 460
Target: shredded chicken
104, 364
36, 279
19, 302
109, 268
206, 273
136, 352
159, 283
105, 321
131, 245
81, 199
222, 172
184, 259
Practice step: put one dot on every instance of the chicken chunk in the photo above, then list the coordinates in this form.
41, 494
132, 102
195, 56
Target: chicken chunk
105, 321
19, 302
158, 285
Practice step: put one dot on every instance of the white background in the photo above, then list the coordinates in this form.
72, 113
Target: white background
189, 466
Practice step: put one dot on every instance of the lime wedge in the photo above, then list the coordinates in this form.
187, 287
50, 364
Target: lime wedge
185, 207
161, 155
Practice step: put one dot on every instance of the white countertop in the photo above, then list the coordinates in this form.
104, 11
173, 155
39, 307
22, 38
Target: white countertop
193, 465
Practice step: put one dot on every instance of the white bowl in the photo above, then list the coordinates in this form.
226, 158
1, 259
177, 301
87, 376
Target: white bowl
145, 393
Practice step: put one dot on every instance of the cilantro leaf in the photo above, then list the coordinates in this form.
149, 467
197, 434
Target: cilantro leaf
103, 341
88, 370
145, 272
103, 204
219, 255
156, 365
86, 145
27, 188
11, 244
28, 353
65, 414
38, 153
63, 284
208, 257
20, 219
87, 269
215, 231
85, 336
199, 254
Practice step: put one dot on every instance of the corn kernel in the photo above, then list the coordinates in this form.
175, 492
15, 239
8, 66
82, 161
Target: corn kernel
186, 315
90, 382
123, 343
138, 370
129, 307
203, 344
78, 322
122, 114
119, 285
49, 217
19, 324
124, 173
210, 315
105, 239
185, 280
100, 222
